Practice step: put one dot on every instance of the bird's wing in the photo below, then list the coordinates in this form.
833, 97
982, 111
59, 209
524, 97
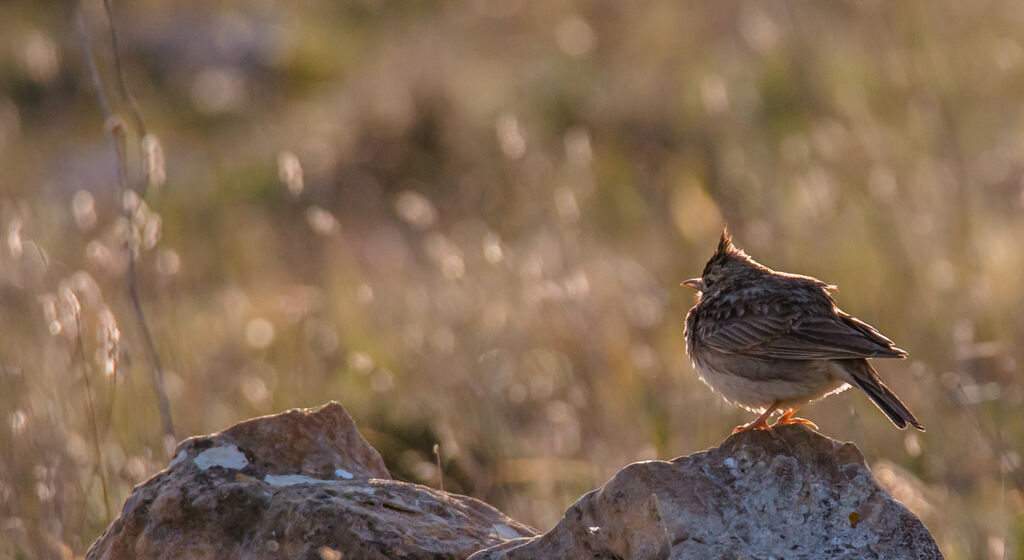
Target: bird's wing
799, 336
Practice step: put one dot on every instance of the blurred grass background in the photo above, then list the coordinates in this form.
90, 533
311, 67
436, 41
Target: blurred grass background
467, 222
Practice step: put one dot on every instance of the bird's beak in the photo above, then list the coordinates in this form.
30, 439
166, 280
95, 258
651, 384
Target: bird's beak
694, 283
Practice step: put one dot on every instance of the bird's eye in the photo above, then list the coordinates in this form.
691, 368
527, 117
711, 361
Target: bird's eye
708, 282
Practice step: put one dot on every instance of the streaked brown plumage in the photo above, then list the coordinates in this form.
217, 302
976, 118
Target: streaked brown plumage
768, 341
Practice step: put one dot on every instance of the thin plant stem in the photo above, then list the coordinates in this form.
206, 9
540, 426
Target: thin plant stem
117, 135
80, 346
122, 88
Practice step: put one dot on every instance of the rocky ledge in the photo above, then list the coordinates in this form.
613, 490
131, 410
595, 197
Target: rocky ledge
305, 484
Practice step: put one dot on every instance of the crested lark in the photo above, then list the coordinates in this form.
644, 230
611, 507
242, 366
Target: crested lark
768, 341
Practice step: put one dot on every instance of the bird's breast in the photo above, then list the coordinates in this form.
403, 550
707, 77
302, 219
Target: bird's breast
756, 383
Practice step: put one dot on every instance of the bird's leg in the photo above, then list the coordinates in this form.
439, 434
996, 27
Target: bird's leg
761, 423
788, 418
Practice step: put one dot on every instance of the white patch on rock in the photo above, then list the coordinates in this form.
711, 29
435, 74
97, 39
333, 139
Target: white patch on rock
505, 532
342, 473
290, 479
227, 456
181, 456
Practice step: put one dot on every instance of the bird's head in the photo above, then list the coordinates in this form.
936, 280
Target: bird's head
728, 265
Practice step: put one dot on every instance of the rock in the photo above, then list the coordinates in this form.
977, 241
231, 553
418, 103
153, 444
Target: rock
301, 484
752, 497
305, 484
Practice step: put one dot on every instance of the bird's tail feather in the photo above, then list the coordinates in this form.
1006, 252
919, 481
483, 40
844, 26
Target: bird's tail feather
865, 377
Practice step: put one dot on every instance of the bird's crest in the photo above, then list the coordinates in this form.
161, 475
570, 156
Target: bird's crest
726, 250
725, 245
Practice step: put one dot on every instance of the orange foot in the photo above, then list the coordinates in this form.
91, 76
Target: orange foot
760, 424
788, 418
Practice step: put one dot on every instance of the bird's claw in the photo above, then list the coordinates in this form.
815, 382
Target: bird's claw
794, 420
755, 425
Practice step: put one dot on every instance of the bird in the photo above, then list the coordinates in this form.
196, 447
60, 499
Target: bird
772, 341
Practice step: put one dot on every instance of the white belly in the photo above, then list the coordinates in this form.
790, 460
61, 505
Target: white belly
792, 390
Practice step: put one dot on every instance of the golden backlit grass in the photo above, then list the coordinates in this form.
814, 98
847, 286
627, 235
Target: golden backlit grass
467, 222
